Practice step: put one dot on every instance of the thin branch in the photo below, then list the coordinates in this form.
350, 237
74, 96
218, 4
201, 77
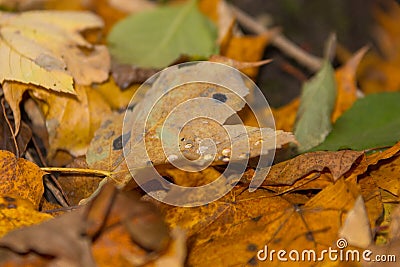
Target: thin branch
77, 170
311, 62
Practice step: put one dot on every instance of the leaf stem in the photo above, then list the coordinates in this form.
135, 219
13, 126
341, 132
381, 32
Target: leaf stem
77, 170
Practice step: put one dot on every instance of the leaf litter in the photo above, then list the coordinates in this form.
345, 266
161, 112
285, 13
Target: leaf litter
307, 201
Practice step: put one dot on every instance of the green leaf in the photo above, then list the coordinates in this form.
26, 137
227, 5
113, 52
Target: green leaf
372, 122
316, 105
158, 37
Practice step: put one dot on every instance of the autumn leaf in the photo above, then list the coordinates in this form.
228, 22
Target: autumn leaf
20, 177
44, 48
287, 172
72, 120
17, 212
245, 222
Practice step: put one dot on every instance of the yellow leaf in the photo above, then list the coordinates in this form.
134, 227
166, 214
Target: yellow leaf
16, 212
72, 120
21, 178
45, 48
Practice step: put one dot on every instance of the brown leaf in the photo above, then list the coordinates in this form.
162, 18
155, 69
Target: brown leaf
11, 141
114, 228
126, 75
338, 163
78, 187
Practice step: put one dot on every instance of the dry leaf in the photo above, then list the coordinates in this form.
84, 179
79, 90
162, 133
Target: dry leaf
356, 229
16, 213
71, 121
106, 149
20, 177
114, 228
44, 48
243, 223
78, 187
346, 84
287, 172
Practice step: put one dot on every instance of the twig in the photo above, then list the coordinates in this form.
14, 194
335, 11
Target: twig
311, 62
50, 181
77, 170
11, 128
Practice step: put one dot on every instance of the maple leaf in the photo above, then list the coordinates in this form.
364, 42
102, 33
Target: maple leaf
44, 48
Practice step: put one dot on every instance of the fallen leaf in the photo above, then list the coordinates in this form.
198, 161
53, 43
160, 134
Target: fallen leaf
126, 75
247, 49
346, 84
71, 121
356, 229
378, 70
374, 129
13, 142
106, 150
285, 117
21, 178
48, 52
172, 27
244, 223
78, 187
129, 6
16, 213
288, 172
219, 12
387, 176
133, 228
314, 118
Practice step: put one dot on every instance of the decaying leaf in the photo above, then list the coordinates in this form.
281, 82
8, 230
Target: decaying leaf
221, 102
287, 172
44, 48
133, 228
246, 222
20, 177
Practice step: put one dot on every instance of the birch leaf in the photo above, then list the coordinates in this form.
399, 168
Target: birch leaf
44, 48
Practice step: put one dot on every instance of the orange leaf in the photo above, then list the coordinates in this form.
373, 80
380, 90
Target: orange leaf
21, 178
346, 84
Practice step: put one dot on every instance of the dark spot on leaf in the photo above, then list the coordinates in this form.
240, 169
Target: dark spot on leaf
183, 139
187, 64
256, 219
130, 107
54, 84
11, 206
2, 206
310, 236
117, 143
251, 247
9, 199
253, 261
220, 97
